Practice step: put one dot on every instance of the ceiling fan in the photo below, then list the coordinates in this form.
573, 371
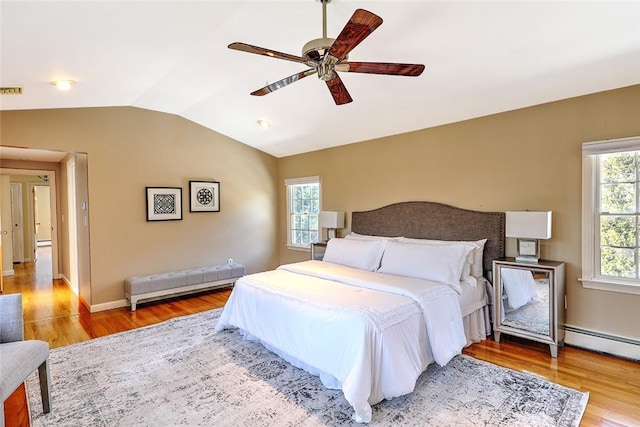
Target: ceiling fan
327, 56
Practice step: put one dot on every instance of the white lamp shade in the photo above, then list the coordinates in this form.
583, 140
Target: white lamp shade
529, 225
331, 219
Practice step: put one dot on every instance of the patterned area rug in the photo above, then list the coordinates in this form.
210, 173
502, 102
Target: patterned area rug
180, 372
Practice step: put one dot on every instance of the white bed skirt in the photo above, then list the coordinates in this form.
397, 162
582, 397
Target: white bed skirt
477, 325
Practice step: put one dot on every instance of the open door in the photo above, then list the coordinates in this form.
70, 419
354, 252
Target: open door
2, 233
73, 226
41, 217
6, 256
17, 230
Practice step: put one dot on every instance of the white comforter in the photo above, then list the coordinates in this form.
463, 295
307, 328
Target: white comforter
369, 334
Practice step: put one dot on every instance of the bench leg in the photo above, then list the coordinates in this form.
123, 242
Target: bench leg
180, 290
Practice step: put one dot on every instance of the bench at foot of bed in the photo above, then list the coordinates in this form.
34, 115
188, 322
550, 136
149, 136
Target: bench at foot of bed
172, 283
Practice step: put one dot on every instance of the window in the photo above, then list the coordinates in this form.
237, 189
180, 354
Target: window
611, 215
303, 208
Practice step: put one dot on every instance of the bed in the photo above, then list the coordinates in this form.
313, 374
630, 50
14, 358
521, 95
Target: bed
367, 320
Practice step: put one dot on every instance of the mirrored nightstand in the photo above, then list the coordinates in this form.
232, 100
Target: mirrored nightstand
317, 250
529, 301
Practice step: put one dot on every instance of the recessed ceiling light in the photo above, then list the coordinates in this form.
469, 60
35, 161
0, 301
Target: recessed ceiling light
63, 84
264, 123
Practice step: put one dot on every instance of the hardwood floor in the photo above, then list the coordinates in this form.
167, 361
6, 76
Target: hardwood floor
52, 314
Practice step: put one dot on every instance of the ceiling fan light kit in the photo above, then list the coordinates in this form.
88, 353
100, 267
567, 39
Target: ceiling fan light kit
326, 56
63, 84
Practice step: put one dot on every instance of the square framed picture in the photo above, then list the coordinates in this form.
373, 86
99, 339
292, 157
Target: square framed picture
164, 203
205, 196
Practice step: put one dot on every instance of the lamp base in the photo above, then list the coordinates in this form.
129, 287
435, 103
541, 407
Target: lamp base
331, 233
528, 250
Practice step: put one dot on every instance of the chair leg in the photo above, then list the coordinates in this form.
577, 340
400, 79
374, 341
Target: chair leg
45, 386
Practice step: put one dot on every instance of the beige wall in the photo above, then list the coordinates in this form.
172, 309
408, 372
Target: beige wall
128, 149
524, 159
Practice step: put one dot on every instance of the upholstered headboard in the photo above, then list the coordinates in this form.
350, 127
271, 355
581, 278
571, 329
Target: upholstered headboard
431, 220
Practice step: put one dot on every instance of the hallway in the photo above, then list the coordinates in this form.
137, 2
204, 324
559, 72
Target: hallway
46, 302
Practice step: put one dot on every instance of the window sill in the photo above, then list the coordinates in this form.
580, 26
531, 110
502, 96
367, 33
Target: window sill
610, 285
299, 248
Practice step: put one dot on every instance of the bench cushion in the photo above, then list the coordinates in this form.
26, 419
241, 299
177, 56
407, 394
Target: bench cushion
144, 284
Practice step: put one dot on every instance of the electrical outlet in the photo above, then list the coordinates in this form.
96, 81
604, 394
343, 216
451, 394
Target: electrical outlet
230, 261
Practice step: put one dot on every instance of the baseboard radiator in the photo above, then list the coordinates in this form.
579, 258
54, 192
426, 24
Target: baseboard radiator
628, 348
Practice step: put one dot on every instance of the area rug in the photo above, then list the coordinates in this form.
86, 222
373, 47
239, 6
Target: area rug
180, 372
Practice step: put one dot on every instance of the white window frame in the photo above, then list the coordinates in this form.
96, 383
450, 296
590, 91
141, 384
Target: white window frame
591, 277
289, 183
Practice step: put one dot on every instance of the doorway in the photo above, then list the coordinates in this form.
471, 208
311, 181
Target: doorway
58, 179
42, 214
22, 247
73, 226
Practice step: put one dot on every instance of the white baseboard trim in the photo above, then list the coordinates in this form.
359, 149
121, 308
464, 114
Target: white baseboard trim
616, 345
8, 272
94, 308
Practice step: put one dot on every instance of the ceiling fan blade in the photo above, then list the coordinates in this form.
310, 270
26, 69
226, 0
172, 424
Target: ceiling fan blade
381, 68
243, 47
361, 24
338, 90
284, 82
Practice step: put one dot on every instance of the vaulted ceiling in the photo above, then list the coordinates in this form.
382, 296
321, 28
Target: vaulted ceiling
481, 58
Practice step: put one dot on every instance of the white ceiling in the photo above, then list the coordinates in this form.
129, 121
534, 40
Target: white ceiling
481, 58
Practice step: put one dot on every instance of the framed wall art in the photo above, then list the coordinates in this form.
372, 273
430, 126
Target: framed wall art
164, 203
205, 196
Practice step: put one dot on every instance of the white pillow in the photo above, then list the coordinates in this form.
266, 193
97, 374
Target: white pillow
466, 276
477, 269
438, 263
474, 264
362, 254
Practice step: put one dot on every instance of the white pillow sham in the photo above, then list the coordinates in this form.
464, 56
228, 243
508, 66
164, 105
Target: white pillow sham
477, 268
362, 254
438, 263
473, 266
